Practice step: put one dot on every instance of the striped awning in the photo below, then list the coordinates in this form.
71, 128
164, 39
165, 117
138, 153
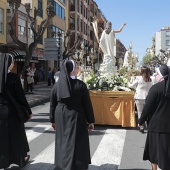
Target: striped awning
20, 56
17, 53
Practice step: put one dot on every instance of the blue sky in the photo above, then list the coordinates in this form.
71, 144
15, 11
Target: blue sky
143, 17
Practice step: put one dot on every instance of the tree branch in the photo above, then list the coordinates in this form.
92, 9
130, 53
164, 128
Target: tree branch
27, 7
73, 49
13, 30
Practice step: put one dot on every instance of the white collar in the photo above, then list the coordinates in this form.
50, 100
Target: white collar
73, 77
9, 71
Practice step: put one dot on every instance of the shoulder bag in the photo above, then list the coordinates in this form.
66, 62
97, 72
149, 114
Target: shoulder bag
21, 110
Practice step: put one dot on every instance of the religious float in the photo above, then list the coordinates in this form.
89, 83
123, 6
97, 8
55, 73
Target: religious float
112, 100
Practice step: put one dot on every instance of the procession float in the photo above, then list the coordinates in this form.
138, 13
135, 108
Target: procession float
112, 100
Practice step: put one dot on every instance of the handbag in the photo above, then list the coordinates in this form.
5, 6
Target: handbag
23, 113
30, 79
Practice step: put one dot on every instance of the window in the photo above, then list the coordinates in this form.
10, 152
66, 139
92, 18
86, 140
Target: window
81, 8
91, 35
168, 34
56, 30
1, 21
30, 32
81, 25
21, 26
40, 8
59, 10
62, 13
78, 24
167, 42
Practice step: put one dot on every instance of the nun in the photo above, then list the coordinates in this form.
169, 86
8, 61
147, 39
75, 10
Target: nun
157, 111
13, 141
71, 115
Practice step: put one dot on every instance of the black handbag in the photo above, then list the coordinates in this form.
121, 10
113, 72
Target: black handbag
23, 113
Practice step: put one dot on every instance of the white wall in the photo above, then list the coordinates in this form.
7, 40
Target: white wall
160, 40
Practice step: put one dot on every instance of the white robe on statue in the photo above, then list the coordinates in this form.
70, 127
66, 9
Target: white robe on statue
107, 43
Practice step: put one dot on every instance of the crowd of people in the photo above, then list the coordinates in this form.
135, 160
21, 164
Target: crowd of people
72, 117
33, 76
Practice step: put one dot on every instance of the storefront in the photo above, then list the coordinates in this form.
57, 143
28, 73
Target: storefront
19, 58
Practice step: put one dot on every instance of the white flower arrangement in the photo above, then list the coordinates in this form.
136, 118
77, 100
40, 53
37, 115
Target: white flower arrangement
107, 82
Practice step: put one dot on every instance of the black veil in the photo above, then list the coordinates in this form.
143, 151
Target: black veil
164, 70
64, 86
5, 61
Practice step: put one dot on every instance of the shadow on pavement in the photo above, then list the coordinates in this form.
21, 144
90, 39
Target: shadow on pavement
103, 167
97, 132
39, 120
36, 166
105, 127
135, 169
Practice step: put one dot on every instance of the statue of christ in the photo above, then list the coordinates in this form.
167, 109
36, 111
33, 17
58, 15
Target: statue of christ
107, 41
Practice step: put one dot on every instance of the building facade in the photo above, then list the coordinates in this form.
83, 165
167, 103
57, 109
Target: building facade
3, 6
24, 33
58, 24
162, 40
82, 13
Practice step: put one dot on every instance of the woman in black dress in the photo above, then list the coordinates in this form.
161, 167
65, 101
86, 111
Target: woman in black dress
157, 111
13, 140
70, 111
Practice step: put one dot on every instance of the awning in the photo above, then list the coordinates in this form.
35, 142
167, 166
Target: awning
20, 55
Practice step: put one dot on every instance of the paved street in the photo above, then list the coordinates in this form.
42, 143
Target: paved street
112, 148
41, 94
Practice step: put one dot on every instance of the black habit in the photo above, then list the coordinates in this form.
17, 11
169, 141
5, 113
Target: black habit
71, 115
13, 140
157, 111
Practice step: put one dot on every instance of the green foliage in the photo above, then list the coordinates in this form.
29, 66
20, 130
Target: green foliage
146, 59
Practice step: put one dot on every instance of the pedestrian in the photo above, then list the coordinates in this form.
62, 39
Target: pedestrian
70, 111
56, 75
22, 80
14, 146
41, 74
53, 73
30, 79
141, 84
157, 112
35, 76
49, 76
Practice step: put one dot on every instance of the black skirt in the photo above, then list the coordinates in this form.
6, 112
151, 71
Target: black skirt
13, 142
157, 149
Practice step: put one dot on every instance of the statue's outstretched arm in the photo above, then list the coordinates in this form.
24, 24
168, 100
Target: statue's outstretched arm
117, 31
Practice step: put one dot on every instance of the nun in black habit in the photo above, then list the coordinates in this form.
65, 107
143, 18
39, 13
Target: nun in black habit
157, 111
70, 111
13, 140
